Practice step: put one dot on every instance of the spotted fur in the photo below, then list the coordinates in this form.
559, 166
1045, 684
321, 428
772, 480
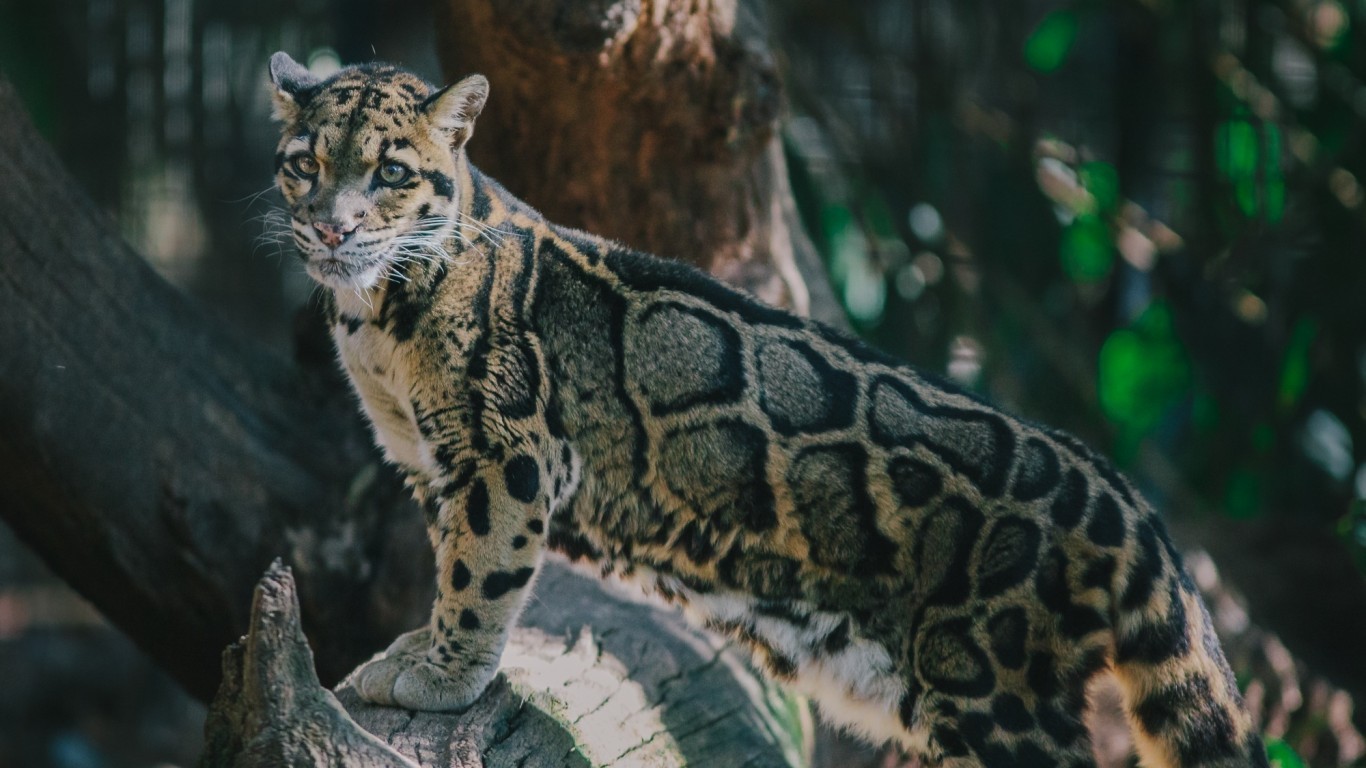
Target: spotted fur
930, 570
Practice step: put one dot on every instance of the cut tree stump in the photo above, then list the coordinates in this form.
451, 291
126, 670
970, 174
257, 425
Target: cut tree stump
586, 681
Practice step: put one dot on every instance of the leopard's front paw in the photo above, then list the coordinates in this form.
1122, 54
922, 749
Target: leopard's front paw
433, 688
374, 680
403, 676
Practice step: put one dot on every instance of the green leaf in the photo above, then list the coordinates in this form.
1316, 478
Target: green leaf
1087, 252
1144, 372
1281, 755
1295, 367
1050, 42
1243, 494
1102, 181
1236, 150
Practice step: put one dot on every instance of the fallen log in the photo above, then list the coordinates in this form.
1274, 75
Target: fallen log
587, 680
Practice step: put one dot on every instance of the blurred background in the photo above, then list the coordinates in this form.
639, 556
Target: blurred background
1138, 220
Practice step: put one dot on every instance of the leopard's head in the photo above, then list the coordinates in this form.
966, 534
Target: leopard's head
367, 163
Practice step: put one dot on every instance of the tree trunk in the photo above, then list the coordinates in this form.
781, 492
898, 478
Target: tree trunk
654, 122
159, 463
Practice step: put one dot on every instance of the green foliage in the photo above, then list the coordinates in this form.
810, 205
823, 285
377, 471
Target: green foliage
1102, 181
1144, 372
1249, 159
1243, 494
1295, 364
1047, 46
1282, 755
1087, 251
860, 283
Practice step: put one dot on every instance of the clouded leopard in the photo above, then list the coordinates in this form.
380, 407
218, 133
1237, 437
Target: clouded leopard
927, 568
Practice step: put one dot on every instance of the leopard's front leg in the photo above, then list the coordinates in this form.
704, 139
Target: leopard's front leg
487, 552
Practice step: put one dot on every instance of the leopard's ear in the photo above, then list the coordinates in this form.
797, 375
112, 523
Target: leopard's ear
453, 109
294, 84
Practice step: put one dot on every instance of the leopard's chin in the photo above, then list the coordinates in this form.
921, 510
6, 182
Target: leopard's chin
346, 273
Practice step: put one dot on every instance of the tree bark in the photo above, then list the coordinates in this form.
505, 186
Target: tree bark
571, 694
654, 122
159, 463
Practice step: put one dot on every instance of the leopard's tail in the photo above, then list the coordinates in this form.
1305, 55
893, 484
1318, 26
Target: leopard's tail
1182, 702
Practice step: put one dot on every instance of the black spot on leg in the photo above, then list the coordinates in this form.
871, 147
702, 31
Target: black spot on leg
460, 576
518, 541
523, 478
468, 620
477, 508
499, 583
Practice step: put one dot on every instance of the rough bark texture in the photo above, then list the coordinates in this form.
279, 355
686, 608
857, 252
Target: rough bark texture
159, 463
651, 694
650, 121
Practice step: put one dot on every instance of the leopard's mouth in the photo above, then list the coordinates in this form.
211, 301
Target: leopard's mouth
335, 267
345, 271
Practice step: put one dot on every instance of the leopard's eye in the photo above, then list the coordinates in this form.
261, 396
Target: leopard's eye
304, 165
394, 174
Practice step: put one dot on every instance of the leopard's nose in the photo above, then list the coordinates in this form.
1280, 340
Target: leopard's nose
333, 235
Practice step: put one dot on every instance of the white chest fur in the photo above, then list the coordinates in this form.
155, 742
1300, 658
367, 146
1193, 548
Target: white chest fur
381, 377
